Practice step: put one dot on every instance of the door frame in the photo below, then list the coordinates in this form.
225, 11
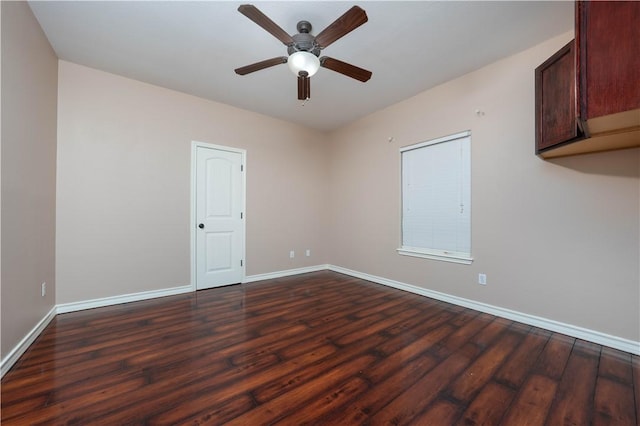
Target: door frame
192, 221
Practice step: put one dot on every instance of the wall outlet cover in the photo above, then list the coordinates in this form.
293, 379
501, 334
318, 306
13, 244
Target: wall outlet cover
482, 279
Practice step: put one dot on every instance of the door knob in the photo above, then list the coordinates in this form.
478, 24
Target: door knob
201, 226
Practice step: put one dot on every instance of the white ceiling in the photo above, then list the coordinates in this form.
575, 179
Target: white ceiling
194, 47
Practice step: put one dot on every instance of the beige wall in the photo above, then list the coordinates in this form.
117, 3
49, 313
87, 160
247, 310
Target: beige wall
557, 239
29, 90
124, 158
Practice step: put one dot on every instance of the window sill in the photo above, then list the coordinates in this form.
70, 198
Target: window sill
442, 256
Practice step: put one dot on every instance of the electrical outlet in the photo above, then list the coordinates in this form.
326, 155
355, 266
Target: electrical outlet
43, 290
482, 279
292, 254
308, 253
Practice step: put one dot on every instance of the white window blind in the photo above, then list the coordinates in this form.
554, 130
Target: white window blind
436, 199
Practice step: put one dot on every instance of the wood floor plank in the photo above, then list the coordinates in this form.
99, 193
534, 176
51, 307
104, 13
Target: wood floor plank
287, 347
574, 397
270, 373
70, 410
281, 385
383, 392
531, 406
318, 348
295, 400
521, 361
615, 365
374, 327
613, 404
489, 406
332, 400
35, 384
404, 354
466, 387
242, 385
440, 413
215, 413
462, 335
413, 400
172, 393
554, 357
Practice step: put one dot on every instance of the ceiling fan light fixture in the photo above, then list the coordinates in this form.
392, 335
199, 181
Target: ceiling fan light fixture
303, 61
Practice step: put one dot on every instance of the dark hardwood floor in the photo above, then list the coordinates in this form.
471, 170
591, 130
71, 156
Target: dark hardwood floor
320, 348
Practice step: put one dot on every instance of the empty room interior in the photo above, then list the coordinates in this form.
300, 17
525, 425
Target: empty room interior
186, 244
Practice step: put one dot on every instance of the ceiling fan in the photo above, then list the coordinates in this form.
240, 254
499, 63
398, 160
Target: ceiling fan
304, 49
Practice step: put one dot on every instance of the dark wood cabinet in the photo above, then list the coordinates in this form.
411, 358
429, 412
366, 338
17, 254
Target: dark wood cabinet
588, 93
556, 101
608, 56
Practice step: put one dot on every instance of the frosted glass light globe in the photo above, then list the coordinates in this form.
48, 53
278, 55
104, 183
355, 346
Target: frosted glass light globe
303, 61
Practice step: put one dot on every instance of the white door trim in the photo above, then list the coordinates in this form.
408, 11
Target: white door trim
192, 213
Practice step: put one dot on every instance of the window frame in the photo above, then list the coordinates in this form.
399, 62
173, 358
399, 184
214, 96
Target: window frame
431, 253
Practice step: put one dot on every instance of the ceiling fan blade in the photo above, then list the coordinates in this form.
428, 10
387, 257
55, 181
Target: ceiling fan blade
345, 68
348, 22
261, 65
304, 86
253, 13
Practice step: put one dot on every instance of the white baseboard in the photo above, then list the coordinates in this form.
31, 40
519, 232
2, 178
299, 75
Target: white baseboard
23, 345
125, 298
547, 324
285, 273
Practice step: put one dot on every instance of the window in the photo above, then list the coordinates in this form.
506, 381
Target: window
436, 199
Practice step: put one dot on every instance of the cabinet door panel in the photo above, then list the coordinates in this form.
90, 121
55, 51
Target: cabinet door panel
556, 104
608, 37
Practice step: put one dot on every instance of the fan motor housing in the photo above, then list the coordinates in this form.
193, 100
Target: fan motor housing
304, 41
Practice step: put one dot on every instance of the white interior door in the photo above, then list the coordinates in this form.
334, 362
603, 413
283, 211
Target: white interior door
219, 217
